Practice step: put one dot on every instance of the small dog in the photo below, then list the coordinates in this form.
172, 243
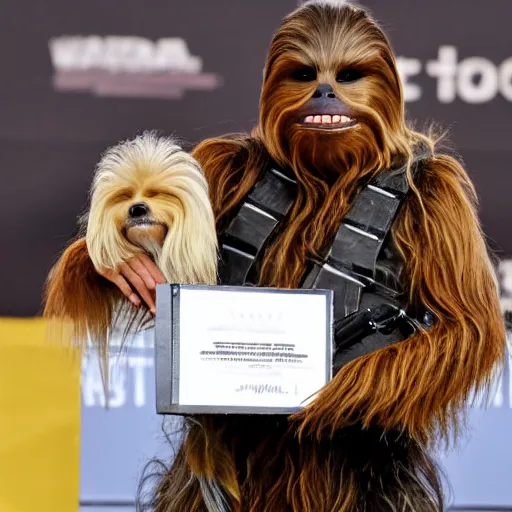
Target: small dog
148, 196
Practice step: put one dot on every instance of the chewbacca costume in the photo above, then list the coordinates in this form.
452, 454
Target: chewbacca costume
373, 211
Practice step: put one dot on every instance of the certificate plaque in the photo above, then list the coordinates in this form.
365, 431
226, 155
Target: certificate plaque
241, 350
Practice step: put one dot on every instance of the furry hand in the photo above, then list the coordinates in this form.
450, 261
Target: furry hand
142, 274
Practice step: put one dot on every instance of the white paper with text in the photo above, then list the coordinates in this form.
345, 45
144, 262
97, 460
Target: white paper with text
252, 349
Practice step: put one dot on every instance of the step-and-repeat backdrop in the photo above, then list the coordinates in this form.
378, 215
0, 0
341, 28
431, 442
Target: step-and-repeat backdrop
78, 77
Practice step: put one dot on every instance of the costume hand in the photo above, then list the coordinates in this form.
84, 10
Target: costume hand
142, 274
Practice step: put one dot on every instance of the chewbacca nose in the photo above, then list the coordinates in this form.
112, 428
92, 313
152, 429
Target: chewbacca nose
138, 210
324, 91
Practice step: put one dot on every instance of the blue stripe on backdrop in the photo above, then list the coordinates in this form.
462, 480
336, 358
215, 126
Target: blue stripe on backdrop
116, 444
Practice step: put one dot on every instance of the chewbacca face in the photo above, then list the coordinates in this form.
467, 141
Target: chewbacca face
150, 196
331, 88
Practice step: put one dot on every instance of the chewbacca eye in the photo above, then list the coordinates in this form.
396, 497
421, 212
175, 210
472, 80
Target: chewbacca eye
304, 75
349, 75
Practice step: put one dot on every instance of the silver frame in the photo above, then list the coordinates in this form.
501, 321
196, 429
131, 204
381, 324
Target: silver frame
167, 350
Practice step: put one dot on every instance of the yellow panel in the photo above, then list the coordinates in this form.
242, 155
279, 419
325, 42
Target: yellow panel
39, 420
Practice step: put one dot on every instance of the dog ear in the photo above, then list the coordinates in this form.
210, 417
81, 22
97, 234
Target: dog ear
76, 296
76, 293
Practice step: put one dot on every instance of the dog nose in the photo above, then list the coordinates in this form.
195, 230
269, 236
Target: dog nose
324, 91
138, 210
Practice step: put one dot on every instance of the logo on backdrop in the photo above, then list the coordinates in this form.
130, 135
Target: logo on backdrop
131, 375
473, 80
128, 66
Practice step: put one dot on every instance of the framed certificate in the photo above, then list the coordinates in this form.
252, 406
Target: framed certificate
241, 350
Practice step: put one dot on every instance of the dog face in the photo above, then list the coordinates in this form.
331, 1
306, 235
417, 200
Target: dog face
150, 196
143, 208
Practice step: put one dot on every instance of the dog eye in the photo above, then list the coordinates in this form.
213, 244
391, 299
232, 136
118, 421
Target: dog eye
123, 195
158, 193
306, 74
348, 75
151, 193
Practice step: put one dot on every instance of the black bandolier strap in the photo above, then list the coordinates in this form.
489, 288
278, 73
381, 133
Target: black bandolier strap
245, 238
362, 267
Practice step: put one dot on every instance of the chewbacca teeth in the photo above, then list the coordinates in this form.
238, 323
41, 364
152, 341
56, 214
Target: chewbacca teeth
327, 119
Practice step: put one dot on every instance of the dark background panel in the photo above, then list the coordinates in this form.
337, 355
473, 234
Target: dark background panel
51, 140
490, 172
44, 190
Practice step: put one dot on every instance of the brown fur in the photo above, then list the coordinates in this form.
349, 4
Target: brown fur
424, 382
363, 444
75, 292
76, 295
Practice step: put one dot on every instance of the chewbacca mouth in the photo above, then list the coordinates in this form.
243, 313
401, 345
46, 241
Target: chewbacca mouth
329, 121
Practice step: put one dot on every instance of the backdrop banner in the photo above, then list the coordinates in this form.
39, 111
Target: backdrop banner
78, 78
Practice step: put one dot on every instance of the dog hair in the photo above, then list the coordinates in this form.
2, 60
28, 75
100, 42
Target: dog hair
177, 233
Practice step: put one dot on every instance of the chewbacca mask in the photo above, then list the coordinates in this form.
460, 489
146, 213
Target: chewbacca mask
148, 197
332, 120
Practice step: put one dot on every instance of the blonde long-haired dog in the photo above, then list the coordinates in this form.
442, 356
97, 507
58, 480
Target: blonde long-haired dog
148, 196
